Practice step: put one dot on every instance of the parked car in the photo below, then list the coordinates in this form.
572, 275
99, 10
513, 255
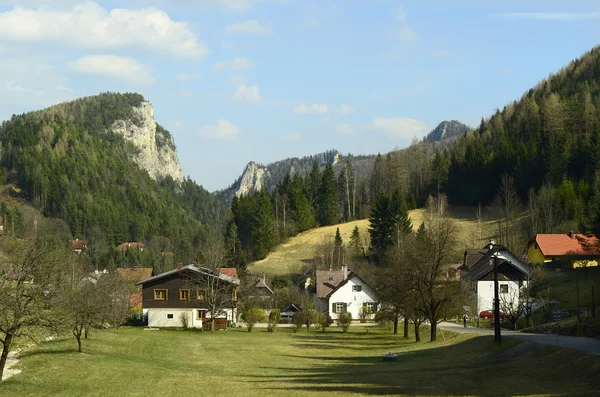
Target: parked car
489, 315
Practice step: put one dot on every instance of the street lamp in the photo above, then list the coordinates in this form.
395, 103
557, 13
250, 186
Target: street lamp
494, 263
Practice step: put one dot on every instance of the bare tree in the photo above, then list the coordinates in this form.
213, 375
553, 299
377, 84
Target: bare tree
506, 207
30, 273
217, 289
434, 247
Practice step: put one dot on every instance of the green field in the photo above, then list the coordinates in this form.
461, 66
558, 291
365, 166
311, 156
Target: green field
296, 255
134, 362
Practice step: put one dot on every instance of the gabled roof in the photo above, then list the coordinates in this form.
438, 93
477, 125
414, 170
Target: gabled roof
134, 274
229, 271
262, 283
567, 244
292, 307
507, 263
191, 268
351, 275
130, 245
327, 280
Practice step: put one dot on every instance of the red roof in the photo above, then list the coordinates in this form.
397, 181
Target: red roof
229, 271
130, 245
564, 244
78, 244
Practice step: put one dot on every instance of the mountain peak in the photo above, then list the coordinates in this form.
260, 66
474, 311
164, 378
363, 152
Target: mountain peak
446, 130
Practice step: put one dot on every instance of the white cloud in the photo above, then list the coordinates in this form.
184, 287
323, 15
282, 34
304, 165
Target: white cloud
405, 33
251, 26
399, 127
315, 108
291, 137
113, 66
187, 76
223, 130
345, 109
234, 64
345, 129
89, 25
550, 16
400, 14
247, 93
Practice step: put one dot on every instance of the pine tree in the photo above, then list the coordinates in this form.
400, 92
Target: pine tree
355, 242
264, 228
380, 224
327, 198
301, 209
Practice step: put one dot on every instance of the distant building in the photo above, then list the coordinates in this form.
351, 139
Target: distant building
130, 246
79, 245
343, 290
565, 249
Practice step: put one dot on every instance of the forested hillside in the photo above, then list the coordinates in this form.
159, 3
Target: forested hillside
535, 164
70, 165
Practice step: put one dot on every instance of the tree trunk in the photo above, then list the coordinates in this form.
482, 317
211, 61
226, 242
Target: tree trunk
405, 327
433, 331
86, 331
5, 351
417, 333
395, 325
78, 343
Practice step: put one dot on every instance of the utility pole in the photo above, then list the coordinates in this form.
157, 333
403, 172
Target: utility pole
497, 336
577, 288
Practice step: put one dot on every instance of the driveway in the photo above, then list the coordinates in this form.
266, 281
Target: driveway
587, 345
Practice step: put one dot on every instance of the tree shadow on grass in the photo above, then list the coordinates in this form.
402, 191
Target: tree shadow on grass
466, 368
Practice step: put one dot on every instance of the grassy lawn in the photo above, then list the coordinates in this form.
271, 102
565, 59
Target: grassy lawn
134, 362
296, 255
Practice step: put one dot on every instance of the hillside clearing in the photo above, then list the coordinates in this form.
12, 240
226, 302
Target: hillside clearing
134, 362
296, 255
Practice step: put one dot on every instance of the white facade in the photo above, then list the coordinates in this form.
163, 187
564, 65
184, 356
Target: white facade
351, 296
508, 294
165, 318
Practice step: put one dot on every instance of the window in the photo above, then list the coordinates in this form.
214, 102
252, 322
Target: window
200, 294
169, 316
369, 307
339, 307
356, 288
184, 294
234, 294
504, 288
201, 314
160, 294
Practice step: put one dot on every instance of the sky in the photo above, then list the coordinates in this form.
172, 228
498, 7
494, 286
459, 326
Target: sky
262, 80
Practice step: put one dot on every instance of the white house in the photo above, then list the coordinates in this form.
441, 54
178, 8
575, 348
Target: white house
508, 293
343, 290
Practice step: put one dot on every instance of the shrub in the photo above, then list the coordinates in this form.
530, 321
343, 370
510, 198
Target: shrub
299, 320
344, 320
253, 316
383, 319
274, 318
184, 320
323, 321
363, 314
311, 316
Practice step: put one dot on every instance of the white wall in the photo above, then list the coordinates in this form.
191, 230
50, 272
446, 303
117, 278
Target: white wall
354, 300
158, 317
485, 294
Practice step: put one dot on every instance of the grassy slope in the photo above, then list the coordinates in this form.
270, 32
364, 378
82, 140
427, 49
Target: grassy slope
133, 362
296, 254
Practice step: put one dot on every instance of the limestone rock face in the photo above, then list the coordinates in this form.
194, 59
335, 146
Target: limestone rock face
156, 148
252, 179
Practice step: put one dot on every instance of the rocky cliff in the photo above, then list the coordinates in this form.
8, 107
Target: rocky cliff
257, 176
156, 148
446, 130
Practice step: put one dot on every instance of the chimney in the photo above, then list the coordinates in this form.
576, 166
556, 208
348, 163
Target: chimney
179, 266
571, 234
492, 242
345, 270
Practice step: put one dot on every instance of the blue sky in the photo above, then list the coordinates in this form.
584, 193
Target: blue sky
262, 80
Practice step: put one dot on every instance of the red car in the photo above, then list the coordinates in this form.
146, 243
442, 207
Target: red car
489, 315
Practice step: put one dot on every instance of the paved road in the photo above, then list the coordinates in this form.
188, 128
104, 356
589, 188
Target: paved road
587, 345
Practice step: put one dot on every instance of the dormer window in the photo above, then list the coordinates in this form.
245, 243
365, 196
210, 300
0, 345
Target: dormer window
356, 288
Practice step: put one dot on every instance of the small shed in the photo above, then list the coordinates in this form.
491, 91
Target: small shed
288, 312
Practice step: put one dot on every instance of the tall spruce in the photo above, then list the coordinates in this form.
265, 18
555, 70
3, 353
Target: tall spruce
328, 198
